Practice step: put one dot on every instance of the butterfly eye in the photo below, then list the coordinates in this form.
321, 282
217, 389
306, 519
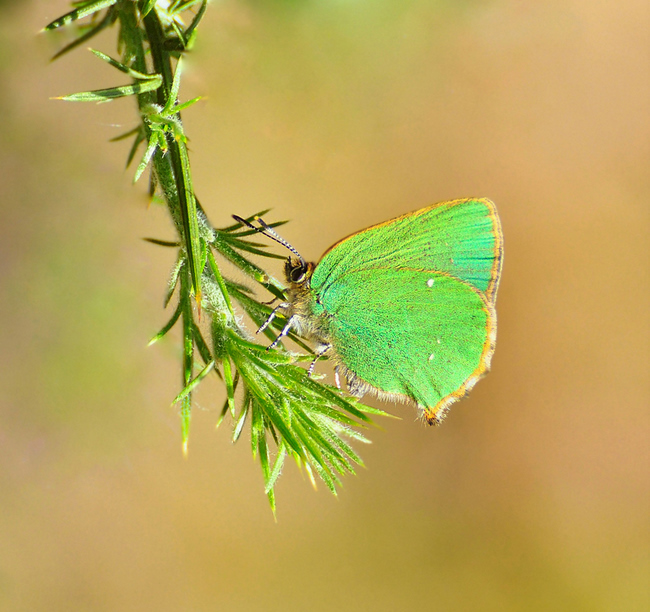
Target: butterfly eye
297, 275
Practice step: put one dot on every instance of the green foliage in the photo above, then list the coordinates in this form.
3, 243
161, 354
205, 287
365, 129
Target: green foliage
288, 413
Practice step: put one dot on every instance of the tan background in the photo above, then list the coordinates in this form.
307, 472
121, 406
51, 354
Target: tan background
532, 496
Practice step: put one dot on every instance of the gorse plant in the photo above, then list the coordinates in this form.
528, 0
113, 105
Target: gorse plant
287, 411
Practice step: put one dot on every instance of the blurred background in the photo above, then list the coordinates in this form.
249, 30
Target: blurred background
533, 495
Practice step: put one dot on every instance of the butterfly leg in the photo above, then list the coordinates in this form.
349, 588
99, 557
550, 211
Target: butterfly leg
356, 387
337, 378
274, 312
322, 349
283, 333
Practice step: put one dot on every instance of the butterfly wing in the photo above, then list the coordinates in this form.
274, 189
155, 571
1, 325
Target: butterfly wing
413, 333
461, 238
410, 303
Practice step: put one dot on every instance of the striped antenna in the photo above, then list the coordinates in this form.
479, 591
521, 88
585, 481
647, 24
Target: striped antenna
267, 231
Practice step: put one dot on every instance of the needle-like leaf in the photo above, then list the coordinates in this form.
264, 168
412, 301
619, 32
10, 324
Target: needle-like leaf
84, 10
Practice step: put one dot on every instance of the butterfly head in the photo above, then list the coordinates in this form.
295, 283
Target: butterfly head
298, 271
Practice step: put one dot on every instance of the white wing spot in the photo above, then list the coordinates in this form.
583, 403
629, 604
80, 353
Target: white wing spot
438, 340
431, 357
430, 282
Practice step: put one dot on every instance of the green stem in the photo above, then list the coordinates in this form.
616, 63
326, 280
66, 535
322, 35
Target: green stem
179, 161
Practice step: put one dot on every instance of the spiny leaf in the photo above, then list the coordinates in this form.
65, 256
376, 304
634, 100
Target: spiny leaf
136, 130
105, 95
300, 376
264, 460
187, 203
139, 138
249, 268
272, 357
178, 5
238, 224
226, 404
186, 416
202, 347
79, 13
242, 418
154, 143
277, 467
168, 326
230, 386
317, 461
325, 442
194, 382
122, 68
214, 268
148, 6
254, 249
255, 383
179, 107
257, 426
164, 243
172, 96
260, 312
173, 280
197, 18
188, 327
108, 20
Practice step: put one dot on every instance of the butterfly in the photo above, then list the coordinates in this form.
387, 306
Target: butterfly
405, 308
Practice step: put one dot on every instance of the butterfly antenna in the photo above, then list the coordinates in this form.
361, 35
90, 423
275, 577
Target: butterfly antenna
267, 231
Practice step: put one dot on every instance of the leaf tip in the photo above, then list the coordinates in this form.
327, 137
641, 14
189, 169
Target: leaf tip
311, 477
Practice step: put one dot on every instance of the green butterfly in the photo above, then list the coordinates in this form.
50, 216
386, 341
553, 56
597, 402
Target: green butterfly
405, 308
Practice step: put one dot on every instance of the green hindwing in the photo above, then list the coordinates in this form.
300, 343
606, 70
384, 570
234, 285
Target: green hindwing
419, 334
